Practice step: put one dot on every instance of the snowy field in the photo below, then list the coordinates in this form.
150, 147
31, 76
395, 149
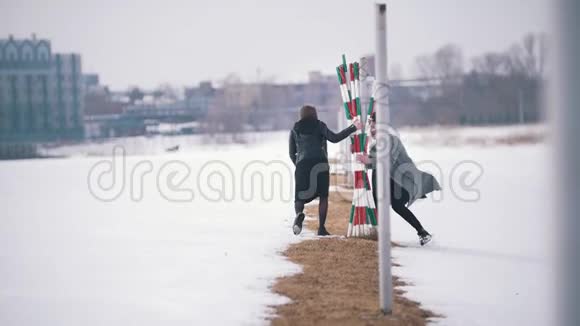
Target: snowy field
68, 258
154, 256
490, 260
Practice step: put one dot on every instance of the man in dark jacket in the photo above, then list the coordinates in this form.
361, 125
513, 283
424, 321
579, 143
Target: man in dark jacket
407, 183
308, 153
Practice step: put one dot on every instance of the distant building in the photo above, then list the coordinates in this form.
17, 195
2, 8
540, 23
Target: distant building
90, 81
200, 99
41, 93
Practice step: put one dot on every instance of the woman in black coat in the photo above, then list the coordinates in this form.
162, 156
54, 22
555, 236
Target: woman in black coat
308, 153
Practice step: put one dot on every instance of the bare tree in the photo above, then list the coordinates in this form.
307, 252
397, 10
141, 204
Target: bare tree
157, 94
491, 63
135, 94
229, 113
445, 63
528, 57
168, 92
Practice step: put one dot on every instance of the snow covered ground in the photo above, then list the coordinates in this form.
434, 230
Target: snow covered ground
68, 258
490, 262
152, 255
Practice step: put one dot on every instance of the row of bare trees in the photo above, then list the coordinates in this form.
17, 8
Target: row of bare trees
525, 58
496, 88
165, 90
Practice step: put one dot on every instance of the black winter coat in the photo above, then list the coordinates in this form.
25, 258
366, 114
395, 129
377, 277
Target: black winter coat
308, 140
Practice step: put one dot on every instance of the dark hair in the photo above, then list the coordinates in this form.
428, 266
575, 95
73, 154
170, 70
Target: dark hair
308, 112
373, 117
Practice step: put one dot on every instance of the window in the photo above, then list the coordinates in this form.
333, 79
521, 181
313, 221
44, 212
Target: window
11, 52
42, 51
27, 51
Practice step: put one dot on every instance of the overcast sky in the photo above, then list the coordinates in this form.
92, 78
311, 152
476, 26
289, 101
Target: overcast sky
182, 42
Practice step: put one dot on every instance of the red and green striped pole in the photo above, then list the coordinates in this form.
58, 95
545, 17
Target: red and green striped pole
362, 221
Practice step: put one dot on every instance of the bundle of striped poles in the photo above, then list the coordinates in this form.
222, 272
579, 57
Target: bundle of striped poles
363, 221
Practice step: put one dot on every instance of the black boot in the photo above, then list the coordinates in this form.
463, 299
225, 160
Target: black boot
322, 231
424, 237
297, 228
322, 210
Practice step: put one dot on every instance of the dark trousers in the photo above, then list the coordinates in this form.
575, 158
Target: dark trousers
322, 209
399, 198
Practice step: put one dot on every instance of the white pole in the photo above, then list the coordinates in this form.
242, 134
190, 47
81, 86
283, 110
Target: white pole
565, 99
521, 106
345, 155
366, 90
382, 113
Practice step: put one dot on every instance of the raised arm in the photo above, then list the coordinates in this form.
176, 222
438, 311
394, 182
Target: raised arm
336, 137
292, 147
370, 160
